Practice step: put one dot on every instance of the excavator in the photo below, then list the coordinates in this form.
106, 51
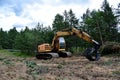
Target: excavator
58, 46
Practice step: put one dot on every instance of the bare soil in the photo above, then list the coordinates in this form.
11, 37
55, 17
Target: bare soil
72, 68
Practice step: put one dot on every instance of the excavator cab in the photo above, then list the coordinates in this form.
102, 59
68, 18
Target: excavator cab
62, 48
62, 44
59, 45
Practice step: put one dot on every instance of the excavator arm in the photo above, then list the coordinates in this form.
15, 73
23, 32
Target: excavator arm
88, 53
83, 35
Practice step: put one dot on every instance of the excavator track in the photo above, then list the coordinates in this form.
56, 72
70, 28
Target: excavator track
53, 55
65, 54
47, 55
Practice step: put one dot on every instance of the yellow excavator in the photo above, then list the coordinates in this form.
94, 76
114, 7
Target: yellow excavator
58, 46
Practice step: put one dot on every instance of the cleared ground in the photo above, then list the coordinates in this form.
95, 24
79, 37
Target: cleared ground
72, 68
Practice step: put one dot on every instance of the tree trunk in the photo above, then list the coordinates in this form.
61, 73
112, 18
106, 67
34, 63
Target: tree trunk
100, 34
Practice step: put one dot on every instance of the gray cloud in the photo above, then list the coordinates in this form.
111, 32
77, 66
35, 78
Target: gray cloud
22, 13
17, 6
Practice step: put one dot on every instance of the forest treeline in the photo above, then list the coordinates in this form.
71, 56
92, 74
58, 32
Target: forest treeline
101, 24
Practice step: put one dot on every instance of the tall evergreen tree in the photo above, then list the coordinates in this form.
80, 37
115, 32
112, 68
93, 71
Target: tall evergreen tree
3, 39
25, 41
58, 23
110, 21
70, 19
66, 21
102, 22
12, 33
73, 21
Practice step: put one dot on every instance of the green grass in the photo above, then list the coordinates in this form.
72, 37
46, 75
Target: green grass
8, 62
77, 51
5, 52
30, 64
116, 72
60, 66
108, 63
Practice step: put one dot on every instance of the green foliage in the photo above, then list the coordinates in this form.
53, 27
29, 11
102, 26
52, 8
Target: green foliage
78, 50
30, 64
34, 69
59, 66
1, 58
110, 21
70, 21
108, 63
27, 40
58, 23
12, 33
3, 39
14, 53
102, 23
116, 72
7, 39
8, 62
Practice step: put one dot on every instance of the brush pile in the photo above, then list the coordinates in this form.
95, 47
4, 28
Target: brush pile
110, 47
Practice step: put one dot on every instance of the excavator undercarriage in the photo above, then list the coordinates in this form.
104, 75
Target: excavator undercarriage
55, 52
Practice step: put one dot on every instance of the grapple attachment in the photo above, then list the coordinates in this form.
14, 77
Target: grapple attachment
92, 54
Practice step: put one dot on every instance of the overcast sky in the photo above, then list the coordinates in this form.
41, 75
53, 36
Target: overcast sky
21, 13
